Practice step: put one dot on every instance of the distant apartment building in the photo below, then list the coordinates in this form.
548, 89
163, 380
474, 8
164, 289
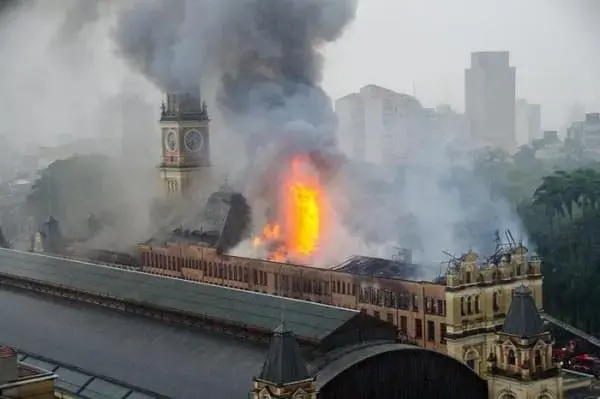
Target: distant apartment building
351, 125
588, 133
452, 126
552, 147
376, 125
490, 99
528, 122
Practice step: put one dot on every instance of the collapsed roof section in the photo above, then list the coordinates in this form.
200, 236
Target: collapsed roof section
379, 267
222, 223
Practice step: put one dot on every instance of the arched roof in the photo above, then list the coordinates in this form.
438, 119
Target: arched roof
363, 352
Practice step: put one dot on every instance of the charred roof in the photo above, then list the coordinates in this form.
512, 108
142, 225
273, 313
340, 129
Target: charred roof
379, 267
222, 223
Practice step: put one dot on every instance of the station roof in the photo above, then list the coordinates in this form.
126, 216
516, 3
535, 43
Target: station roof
75, 381
105, 344
308, 320
172, 360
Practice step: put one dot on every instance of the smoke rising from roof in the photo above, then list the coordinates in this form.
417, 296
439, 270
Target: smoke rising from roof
263, 60
265, 54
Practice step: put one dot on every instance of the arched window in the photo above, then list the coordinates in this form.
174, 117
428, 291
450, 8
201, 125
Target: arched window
469, 306
511, 357
477, 304
496, 302
471, 359
538, 358
462, 306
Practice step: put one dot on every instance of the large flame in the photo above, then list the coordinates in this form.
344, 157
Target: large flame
295, 234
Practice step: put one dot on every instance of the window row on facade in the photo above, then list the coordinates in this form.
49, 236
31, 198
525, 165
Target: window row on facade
472, 304
297, 284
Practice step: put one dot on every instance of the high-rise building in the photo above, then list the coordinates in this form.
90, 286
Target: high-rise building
376, 124
490, 99
587, 132
528, 122
351, 125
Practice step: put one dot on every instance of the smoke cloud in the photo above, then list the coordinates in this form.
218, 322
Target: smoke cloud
64, 86
265, 54
97, 68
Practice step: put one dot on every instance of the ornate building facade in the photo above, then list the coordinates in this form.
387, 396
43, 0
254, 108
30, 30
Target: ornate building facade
458, 316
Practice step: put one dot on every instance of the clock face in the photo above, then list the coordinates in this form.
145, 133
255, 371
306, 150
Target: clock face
194, 140
171, 141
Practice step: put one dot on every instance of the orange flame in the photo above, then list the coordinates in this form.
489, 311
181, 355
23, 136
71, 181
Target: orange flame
295, 236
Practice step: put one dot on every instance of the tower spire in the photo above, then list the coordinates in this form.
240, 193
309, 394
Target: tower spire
284, 363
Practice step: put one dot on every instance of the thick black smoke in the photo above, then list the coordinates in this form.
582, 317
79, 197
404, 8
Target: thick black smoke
265, 54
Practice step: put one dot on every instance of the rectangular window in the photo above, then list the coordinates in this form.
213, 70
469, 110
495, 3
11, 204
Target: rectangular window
418, 328
390, 317
404, 324
443, 333
415, 303
428, 305
440, 307
403, 302
431, 331
255, 277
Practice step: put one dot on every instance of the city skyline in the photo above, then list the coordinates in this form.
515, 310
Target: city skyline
432, 55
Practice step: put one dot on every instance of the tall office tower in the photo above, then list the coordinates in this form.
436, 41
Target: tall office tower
490, 100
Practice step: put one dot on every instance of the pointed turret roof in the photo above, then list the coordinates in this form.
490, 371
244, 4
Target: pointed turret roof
523, 319
284, 363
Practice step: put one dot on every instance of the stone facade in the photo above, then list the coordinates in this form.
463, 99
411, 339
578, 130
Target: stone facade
458, 317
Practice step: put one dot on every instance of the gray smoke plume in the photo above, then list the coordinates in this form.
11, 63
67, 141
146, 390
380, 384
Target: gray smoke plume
264, 53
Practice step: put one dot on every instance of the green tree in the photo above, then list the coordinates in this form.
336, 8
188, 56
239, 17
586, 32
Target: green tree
563, 221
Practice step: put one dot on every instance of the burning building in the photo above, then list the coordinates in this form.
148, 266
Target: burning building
297, 218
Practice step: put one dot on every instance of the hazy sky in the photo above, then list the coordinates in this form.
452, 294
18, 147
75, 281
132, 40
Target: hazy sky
396, 43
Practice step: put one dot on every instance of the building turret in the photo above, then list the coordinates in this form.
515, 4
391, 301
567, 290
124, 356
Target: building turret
520, 364
284, 373
184, 106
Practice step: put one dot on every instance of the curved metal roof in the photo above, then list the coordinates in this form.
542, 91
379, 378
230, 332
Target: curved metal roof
362, 352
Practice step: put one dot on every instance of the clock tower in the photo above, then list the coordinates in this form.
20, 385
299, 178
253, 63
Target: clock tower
184, 126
